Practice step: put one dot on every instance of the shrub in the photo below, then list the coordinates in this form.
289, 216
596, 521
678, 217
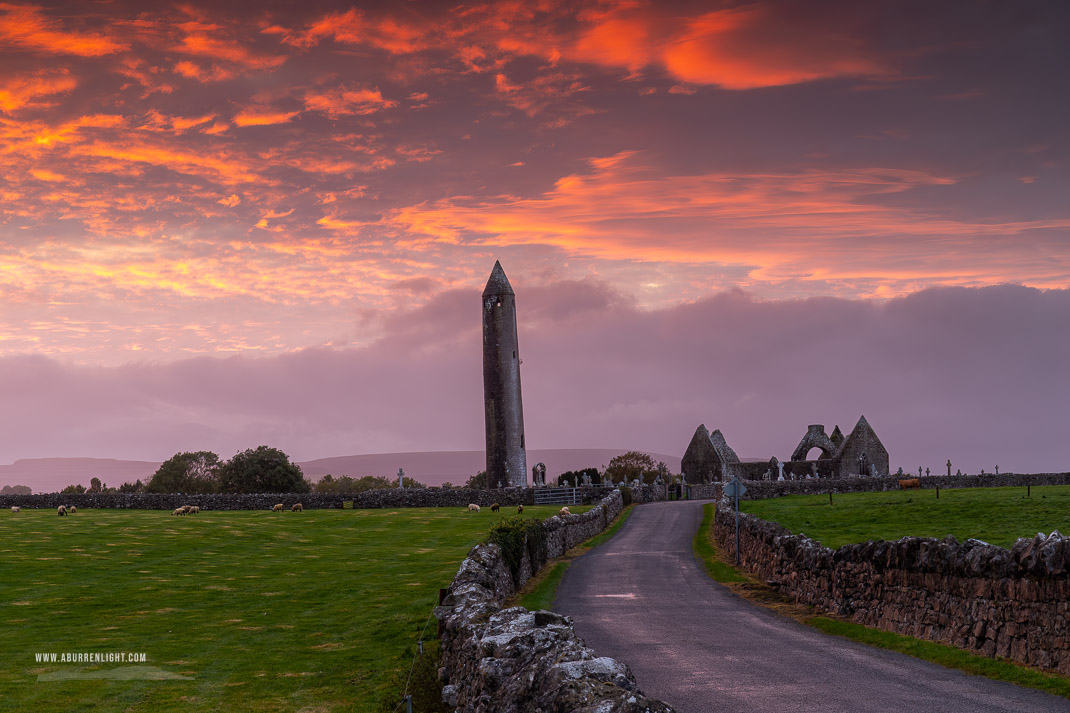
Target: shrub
424, 686
626, 495
517, 536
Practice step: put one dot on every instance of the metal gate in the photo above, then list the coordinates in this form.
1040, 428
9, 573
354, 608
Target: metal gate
557, 496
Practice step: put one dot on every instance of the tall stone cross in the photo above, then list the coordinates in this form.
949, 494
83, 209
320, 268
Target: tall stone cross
949, 467
401, 478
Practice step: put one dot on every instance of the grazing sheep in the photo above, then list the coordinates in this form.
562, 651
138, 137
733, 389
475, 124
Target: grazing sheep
298, 507
472, 507
564, 511
14, 508
495, 507
195, 509
61, 511
178, 511
519, 509
72, 510
186, 509
277, 508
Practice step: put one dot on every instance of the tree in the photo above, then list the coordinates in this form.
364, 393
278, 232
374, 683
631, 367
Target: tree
132, 487
94, 485
16, 490
186, 473
576, 477
631, 465
477, 481
73, 490
262, 470
346, 484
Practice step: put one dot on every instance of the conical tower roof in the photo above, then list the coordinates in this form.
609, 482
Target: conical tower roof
498, 284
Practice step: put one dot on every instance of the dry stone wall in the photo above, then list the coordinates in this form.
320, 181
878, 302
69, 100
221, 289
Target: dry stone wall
996, 602
384, 498
511, 660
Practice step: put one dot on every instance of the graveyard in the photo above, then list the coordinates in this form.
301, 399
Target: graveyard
237, 611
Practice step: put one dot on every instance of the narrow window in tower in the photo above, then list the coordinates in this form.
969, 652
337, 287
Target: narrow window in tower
521, 440
514, 353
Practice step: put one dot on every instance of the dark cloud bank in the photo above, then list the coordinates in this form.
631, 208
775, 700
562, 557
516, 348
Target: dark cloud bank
976, 375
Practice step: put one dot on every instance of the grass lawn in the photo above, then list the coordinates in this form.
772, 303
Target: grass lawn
260, 611
996, 515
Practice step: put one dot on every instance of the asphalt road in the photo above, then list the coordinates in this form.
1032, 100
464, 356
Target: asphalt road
643, 598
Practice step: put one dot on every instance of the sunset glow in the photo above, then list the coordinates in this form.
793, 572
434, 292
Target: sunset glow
219, 178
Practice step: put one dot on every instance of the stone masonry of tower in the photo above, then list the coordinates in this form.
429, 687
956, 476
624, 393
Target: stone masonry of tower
504, 408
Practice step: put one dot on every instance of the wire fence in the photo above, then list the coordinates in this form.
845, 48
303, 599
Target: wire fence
406, 699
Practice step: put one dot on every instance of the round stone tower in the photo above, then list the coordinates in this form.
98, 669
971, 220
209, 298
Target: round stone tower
506, 459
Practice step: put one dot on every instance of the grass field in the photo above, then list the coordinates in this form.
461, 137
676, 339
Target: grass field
996, 515
258, 611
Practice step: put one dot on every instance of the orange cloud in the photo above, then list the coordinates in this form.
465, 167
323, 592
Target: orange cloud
42, 174
213, 73
200, 41
19, 92
397, 36
735, 50
343, 102
820, 225
263, 117
25, 26
216, 165
740, 48
540, 93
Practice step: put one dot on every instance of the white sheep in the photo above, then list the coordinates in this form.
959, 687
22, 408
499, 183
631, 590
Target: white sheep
564, 511
277, 508
72, 510
178, 511
194, 509
298, 507
472, 507
14, 508
61, 510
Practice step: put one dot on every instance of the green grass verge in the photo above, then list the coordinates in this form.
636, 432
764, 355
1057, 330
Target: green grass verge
260, 611
542, 589
996, 515
707, 552
948, 656
542, 596
748, 587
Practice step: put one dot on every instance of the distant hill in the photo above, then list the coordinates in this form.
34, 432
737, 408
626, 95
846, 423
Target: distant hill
47, 475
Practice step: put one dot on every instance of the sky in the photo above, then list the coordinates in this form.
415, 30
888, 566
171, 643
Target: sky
228, 224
